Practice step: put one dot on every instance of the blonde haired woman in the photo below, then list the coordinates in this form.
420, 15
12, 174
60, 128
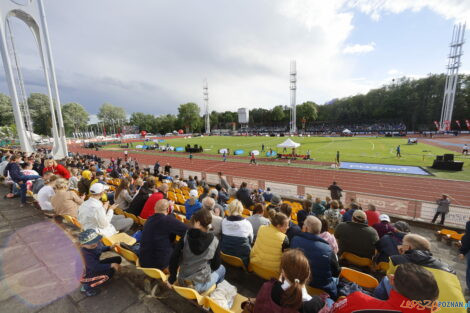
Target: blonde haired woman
65, 202
237, 233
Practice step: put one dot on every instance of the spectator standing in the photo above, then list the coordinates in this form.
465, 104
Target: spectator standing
271, 241
335, 191
323, 261
160, 229
257, 219
289, 294
197, 255
167, 169
223, 182
384, 227
356, 236
372, 215
97, 271
237, 233
442, 209
156, 168
192, 204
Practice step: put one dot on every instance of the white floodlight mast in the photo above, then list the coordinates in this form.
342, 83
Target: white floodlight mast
293, 88
205, 91
458, 36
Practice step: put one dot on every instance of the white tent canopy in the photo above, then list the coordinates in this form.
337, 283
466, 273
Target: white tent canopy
288, 144
346, 131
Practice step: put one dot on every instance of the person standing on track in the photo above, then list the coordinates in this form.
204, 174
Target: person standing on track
126, 155
224, 156
191, 157
398, 151
465, 149
252, 158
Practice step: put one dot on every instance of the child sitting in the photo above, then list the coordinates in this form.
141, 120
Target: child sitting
96, 271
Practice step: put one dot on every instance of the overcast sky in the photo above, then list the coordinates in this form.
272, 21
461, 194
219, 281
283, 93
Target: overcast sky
152, 55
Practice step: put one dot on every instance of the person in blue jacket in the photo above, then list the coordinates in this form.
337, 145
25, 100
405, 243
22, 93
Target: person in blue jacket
18, 177
192, 204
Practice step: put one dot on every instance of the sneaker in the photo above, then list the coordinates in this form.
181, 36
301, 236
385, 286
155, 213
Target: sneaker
91, 293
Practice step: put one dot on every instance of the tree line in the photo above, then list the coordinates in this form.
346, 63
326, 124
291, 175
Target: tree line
415, 102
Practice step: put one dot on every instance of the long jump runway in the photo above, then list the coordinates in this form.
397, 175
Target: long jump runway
427, 189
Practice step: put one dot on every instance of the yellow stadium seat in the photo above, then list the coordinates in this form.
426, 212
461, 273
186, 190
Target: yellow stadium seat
172, 196
362, 279
192, 294
141, 220
314, 291
127, 254
186, 193
382, 266
262, 272
232, 260
152, 272
356, 260
180, 199
132, 216
246, 212
182, 209
72, 220
119, 211
236, 306
117, 238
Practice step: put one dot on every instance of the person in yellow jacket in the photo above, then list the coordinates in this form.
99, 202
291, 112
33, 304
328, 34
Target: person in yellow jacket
416, 249
271, 241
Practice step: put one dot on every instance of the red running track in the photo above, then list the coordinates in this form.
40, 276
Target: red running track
427, 189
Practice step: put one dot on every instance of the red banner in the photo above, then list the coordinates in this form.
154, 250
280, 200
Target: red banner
468, 124
458, 123
437, 125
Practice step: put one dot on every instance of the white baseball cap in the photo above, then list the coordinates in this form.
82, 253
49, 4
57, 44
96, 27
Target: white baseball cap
384, 217
98, 188
193, 193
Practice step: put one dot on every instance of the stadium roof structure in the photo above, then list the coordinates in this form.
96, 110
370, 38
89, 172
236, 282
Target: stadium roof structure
289, 143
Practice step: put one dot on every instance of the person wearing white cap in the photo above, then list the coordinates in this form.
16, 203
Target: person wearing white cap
384, 227
93, 214
192, 204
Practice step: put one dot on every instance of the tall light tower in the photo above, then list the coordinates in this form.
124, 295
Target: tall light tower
205, 91
452, 78
293, 88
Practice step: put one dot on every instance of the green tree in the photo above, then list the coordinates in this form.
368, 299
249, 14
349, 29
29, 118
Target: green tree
75, 117
189, 116
110, 114
144, 121
40, 112
166, 123
6, 111
307, 111
277, 113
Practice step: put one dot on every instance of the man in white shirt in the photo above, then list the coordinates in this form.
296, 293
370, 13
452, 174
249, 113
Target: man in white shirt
45, 194
93, 214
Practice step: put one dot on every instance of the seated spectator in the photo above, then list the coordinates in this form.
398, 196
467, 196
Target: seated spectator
205, 193
275, 204
73, 180
14, 171
160, 229
55, 168
45, 195
267, 195
333, 215
410, 283
270, 242
356, 236
384, 227
223, 182
302, 214
244, 195
293, 229
192, 204
257, 219
27, 169
257, 197
198, 256
347, 217
327, 236
40, 182
372, 215
318, 208
417, 250
209, 204
149, 206
389, 243
222, 196
137, 204
218, 209
97, 271
93, 214
237, 233
289, 294
192, 184
65, 202
232, 191
322, 259
85, 182
122, 195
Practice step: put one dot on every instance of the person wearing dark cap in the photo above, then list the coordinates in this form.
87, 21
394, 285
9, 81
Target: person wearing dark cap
275, 204
96, 271
356, 236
